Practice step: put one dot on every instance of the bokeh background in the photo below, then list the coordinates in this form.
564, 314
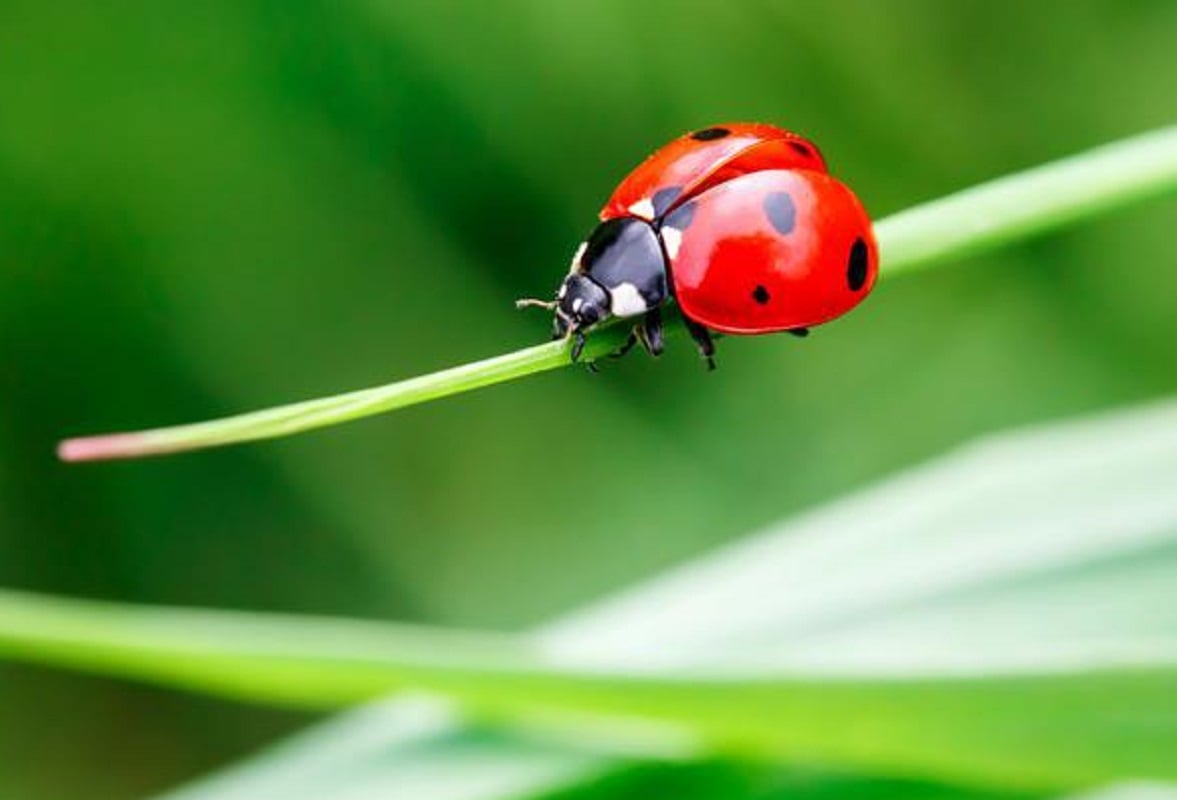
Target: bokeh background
210, 207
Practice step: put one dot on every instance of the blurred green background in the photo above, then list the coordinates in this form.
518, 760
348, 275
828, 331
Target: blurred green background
206, 208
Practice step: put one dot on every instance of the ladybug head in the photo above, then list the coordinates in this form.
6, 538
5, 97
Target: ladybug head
580, 304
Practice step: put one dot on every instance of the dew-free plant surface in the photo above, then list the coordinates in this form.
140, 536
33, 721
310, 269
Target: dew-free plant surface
212, 209
986, 632
973, 220
995, 619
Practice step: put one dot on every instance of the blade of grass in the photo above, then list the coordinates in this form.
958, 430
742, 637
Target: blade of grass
995, 213
410, 747
325, 411
1030, 202
1133, 790
970, 728
1024, 537
351, 757
923, 632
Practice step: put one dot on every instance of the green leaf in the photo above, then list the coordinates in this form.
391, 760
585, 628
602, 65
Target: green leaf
972, 726
411, 747
996, 617
995, 213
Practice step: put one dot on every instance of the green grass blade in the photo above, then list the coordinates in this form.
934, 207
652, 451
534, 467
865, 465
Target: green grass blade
1131, 790
308, 415
995, 213
969, 727
1030, 202
367, 754
983, 498
411, 747
998, 617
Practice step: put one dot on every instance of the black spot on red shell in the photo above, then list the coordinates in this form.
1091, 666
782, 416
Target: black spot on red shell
802, 148
761, 295
681, 217
856, 265
664, 198
708, 134
779, 208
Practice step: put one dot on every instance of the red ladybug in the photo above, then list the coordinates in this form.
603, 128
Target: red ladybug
741, 224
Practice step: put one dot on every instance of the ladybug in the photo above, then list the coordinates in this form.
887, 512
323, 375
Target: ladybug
740, 224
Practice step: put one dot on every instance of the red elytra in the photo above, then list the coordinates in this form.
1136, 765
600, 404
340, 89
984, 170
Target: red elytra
704, 158
771, 251
730, 242
740, 223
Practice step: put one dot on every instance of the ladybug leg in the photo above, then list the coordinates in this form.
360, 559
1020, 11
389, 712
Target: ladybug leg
800, 333
702, 339
625, 348
649, 332
578, 340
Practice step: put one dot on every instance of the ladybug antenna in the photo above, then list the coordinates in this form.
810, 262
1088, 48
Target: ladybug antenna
531, 302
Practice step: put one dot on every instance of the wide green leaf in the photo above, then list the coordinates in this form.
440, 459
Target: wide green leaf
1038, 725
994, 617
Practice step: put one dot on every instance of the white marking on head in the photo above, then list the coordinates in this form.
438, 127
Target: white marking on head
627, 300
643, 209
577, 304
563, 291
576, 258
672, 238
